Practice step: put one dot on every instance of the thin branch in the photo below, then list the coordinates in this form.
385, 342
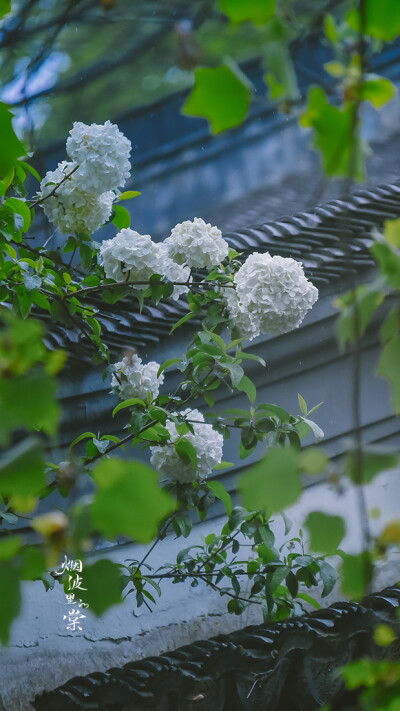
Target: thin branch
54, 190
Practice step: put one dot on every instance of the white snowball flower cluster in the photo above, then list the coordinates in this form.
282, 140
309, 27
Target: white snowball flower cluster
132, 378
99, 164
197, 244
102, 153
206, 441
272, 295
73, 210
132, 257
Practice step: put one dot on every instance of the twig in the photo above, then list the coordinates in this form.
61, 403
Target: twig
52, 192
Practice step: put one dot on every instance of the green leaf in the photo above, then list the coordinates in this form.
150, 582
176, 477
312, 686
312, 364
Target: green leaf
29, 401
186, 451
128, 194
329, 577
103, 581
30, 169
182, 524
391, 232
373, 461
360, 304
84, 435
129, 500
388, 367
236, 373
356, 574
167, 364
382, 19
384, 635
390, 327
22, 469
388, 258
21, 208
222, 494
223, 465
11, 146
182, 321
335, 68
278, 576
221, 95
313, 461
10, 597
128, 403
311, 600
378, 90
330, 29
33, 563
9, 547
5, 7
302, 404
246, 385
334, 135
276, 411
316, 429
326, 532
273, 483
115, 293
258, 11
122, 218
281, 75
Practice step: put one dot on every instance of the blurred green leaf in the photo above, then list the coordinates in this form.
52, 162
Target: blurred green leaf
29, 401
356, 574
391, 232
326, 532
5, 7
390, 327
388, 258
378, 90
313, 461
373, 461
388, 367
280, 73
382, 19
11, 147
103, 581
361, 304
9, 547
273, 483
221, 95
258, 11
33, 563
129, 500
22, 469
10, 597
334, 135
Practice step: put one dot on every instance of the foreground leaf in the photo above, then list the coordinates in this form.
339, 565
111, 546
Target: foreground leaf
273, 483
221, 95
129, 500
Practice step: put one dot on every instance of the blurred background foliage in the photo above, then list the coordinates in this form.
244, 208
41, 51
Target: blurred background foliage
95, 59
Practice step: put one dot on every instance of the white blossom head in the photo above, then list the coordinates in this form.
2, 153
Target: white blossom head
197, 244
132, 257
102, 153
208, 445
132, 378
273, 295
71, 209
